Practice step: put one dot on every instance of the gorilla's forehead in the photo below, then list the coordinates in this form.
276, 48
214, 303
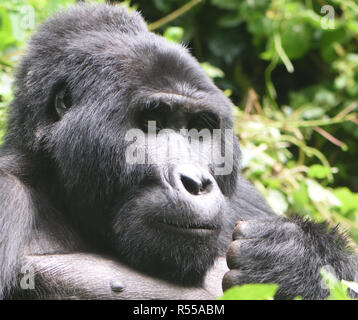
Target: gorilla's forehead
149, 67
144, 56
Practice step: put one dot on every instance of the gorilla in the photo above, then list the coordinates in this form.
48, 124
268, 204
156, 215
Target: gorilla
88, 219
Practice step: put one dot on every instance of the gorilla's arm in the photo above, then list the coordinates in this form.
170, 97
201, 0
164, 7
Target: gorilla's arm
16, 216
90, 276
68, 270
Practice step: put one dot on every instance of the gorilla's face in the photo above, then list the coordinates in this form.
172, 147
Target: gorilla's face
121, 132
169, 222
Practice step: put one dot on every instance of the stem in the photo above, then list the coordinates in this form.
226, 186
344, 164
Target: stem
172, 16
330, 138
281, 52
309, 151
269, 85
313, 123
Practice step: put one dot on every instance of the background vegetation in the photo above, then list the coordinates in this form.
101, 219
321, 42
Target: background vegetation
292, 72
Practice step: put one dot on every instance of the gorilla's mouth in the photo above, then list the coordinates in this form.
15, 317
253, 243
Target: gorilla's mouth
189, 228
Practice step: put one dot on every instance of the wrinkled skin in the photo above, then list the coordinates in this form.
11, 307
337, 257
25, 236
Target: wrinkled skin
93, 225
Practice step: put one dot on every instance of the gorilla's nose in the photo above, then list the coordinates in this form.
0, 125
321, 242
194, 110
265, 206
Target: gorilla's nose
195, 185
194, 180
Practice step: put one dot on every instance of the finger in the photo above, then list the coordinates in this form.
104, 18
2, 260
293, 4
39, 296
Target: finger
233, 278
251, 229
237, 253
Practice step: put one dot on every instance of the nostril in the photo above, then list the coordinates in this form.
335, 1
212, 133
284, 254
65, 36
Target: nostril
190, 185
196, 187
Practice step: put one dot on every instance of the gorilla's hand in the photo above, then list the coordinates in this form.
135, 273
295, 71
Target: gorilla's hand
288, 252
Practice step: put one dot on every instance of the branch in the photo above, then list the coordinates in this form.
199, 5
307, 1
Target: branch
172, 16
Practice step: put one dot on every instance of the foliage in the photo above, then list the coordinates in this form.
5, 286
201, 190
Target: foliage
251, 292
293, 73
338, 290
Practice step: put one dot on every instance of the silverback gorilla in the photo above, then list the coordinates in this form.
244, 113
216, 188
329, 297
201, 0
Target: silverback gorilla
92, 225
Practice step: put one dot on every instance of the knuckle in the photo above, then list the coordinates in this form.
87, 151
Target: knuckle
230, 279
233, 248
239, 229
236, 253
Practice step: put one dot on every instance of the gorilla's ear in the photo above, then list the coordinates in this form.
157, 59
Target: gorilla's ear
62, 101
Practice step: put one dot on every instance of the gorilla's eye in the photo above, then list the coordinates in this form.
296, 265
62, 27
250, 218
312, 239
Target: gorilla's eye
63, 102
154, 112
204, 120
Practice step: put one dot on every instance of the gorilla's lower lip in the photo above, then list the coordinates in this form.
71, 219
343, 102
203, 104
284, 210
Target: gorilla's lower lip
194, 229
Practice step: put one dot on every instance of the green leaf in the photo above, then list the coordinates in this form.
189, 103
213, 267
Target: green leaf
250, 292
352, 26
338, 290
348, 199
327, 41
319, 171
351, 285
6, 36
18, 31
313, 113
277, 201
211, 71
301, 198
341, 81
296, 38
319, 194
174, 34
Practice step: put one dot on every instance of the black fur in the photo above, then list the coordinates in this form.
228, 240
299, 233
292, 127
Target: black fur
65, 186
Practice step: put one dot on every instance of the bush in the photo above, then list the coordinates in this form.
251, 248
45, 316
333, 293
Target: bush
291, 67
